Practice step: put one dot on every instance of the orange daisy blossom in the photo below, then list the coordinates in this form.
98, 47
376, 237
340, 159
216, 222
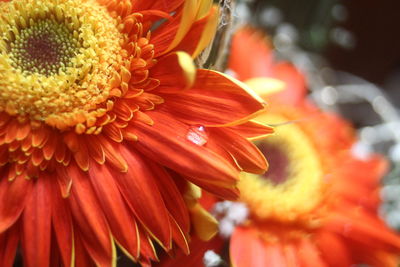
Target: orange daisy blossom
317, 204
105, 125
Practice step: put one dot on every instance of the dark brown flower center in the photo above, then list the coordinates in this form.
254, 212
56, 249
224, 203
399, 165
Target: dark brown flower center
278, 162
45, 47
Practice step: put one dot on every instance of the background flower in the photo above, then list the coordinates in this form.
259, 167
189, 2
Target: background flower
317, 204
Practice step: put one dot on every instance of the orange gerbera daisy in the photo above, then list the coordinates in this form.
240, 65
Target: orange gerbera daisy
317, 203
105, 123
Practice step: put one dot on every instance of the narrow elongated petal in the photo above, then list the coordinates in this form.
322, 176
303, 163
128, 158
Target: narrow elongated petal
62, 224
200, 34
8, 246
171, 196
139, 178
189, 13
253, 130
36, 224
246, 154
90, 220
81, 254
13, 196
121, 221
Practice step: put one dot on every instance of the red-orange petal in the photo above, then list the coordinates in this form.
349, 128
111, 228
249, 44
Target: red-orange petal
309, 254
121, 221
36, 225
172, 197
213, 100
248, 249
89, 218
82, 258
328, 242
175, 72
13, 197
62, 224
252, 130
138, 186
166, 142
179, 237
246, 66
162, 5
8, 246
246, 154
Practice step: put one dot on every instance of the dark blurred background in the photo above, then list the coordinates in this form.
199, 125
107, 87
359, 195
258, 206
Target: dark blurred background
358, 36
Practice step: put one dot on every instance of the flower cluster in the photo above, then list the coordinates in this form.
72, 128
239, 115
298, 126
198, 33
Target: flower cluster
113, 142
107, 128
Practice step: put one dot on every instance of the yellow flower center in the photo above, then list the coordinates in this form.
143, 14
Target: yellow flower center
58, 60
292, 186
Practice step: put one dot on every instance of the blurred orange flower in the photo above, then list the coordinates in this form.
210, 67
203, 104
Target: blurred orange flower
105, 123
317, 203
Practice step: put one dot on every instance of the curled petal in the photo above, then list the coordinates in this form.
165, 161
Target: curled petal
214, 100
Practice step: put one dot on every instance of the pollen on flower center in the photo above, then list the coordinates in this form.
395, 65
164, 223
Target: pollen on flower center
62, 62
45, 47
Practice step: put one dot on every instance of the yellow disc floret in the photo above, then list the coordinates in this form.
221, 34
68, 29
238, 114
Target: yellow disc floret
293, 185
58, 60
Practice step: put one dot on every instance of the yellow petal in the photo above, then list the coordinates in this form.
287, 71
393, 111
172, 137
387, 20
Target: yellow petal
187, 65
203, 8
208, 32
188, 17
204, 224
265, 86
192, 194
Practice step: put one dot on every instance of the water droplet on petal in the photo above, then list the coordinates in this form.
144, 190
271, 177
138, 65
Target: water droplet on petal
197, 135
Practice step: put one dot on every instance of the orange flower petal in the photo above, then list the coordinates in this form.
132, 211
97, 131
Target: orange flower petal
200, 34
252, 130
121, 221
171, 196
90, 221
81, 255
246, 154
166, 141
309, 255
327, 243
295, 84
8, 246
372, 232
36, 224
146, 247
195, 259
175, 72
62, 224
139, 179
247, 249
163, 5
180, 238
214, 100
13, 196
246, 66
